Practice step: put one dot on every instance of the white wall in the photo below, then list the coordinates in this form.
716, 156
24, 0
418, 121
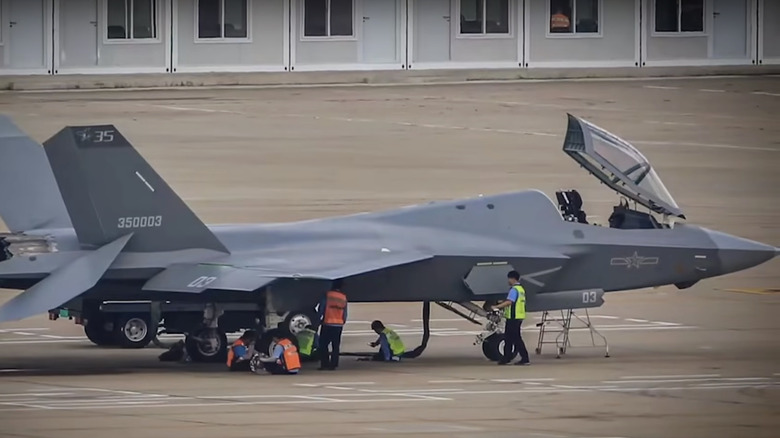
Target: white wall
264, 49
614, 44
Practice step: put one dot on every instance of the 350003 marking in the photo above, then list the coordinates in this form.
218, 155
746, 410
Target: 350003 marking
140, 222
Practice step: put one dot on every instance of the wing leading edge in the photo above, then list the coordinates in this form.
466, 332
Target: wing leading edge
196, 278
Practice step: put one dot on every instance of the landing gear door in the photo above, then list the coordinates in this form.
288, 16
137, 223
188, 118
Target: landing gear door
619, 165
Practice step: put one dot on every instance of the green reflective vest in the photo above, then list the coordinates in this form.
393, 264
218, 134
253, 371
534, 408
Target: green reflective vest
396, 344
305, 341
517, 309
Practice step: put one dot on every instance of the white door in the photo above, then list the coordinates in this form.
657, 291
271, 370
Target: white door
78, 33
432, 32
25, 30
380, 31
729, 36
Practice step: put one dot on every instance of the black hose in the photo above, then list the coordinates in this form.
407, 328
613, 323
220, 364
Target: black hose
426, 317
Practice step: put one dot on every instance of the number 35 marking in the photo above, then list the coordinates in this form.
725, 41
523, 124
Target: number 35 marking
589, 297
140, 222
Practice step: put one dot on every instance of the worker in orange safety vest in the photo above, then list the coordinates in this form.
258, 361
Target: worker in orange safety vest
284, 360
333, 313
242, 350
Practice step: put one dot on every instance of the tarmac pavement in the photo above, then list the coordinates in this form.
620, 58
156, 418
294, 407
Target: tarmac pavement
700, 362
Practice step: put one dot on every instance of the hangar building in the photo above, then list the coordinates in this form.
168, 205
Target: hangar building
50, 37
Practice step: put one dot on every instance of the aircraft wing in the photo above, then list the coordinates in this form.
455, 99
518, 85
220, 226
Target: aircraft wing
257, 272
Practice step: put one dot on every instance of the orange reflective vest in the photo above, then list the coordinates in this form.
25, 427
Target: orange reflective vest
559, 21
231, 355
335, 306
290, 359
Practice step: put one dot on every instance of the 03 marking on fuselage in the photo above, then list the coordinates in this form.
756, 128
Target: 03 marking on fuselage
634, 261
139, 222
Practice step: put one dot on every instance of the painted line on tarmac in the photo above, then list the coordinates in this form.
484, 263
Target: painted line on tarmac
764, 93
363, 396
314, 385
477, 129
673, 376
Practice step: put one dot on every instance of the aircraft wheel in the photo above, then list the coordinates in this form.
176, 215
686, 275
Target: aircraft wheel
266, 345
96, 331
207, 345
133, 330
298, 320
493, 347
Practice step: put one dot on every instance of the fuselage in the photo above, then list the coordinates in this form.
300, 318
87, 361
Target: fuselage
524, 229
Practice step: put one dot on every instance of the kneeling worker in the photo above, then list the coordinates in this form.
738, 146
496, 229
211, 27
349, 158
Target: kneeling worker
391, 347
285, 359
240, 353
307, 344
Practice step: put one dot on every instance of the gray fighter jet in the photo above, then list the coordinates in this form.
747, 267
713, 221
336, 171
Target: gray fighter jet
91, 221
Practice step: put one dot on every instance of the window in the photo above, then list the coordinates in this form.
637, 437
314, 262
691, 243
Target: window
677, 16
222, 19
484, 17
574, 17
131, 19
327, 18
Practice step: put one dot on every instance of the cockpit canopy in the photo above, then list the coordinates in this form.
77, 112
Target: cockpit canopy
619, 165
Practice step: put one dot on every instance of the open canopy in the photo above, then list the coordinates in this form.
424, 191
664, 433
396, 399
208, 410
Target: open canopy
619, 165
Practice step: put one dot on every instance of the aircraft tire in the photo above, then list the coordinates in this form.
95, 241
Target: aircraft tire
198, 353
298, 319
96, 332
493, 347
133, 330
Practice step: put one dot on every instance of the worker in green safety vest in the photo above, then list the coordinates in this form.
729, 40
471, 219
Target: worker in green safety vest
391, 347
514, 312
307, 344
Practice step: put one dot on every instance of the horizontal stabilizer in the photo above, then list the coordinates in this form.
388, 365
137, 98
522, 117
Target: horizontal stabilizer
64, 284
29, 196
110, 190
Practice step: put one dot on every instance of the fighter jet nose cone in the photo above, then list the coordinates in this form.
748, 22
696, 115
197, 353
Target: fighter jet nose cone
736, 253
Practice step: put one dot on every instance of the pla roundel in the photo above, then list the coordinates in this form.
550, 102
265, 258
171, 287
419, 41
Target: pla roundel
618, 164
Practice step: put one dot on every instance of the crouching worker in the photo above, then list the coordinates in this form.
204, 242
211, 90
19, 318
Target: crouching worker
307, 344
241, 352
285, 359
391, 347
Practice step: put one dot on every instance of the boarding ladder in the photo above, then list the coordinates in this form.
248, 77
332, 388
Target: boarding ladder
561, 326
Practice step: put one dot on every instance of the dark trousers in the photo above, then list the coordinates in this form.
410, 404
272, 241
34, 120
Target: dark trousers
240, 365
274, 368
329, 335
513, 341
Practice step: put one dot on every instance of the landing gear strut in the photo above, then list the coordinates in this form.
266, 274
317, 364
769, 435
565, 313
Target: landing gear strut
492, 336
208, 343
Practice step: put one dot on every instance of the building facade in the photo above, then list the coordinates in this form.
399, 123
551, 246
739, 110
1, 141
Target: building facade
169, 36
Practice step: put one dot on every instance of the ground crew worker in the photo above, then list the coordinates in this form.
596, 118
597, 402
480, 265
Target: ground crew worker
333, 312
514, 312
307, 343
285, 359
559, 22
391, 347
240, 353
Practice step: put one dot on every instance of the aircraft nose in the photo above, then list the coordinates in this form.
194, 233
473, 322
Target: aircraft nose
736, 253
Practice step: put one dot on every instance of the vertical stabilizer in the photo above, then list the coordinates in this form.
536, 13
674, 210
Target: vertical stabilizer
29, 197
110, 190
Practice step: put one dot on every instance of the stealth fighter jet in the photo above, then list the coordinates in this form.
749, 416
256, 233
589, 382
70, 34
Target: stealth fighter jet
91, 224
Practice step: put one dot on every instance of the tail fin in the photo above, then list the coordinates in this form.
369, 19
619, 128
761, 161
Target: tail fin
110, 190
29, 198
